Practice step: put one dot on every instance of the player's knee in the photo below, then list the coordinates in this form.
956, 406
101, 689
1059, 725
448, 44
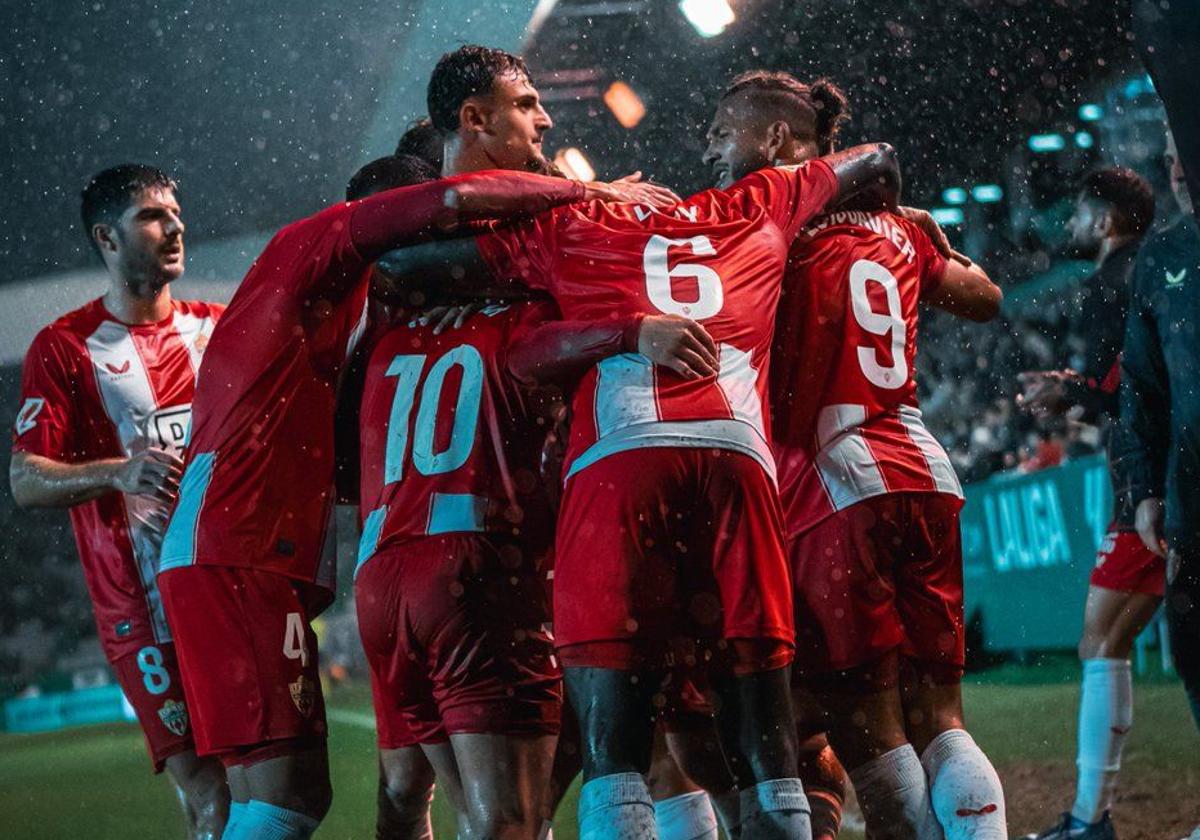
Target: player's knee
821, 770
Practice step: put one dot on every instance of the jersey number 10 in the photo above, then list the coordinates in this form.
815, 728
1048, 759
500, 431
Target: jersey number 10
407, 370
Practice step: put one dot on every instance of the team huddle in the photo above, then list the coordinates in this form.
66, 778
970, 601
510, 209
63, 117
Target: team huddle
643, 484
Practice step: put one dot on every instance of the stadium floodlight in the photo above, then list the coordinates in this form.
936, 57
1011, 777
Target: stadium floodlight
947, 215
709, 17
574, 164
1047, 142
1090, 112
625, 104
954, 195
1084, 140
987, 193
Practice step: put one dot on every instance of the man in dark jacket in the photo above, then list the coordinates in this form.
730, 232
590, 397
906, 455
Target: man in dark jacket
1160, 404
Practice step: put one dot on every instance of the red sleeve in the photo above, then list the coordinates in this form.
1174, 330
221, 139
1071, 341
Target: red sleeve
398, 217
548, 351
930, 262
523, 252
791, 195
45, 420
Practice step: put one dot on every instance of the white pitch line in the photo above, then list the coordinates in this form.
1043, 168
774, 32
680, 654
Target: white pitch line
360, 719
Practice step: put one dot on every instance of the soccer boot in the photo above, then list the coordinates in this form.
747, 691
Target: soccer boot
1069, 828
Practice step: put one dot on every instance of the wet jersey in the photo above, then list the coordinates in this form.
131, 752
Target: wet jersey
93, 388
846, 424
717, 258
258, 489
450, 441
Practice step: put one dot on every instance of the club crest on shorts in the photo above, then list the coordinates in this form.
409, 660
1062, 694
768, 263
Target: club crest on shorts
304, 695
174, 716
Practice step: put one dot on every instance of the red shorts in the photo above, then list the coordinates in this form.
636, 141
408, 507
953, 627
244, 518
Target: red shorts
660, 547
453, 628
248, 656
151, 682
1124, 564
883, 573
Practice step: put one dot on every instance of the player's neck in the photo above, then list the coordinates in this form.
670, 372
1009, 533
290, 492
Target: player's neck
142, 304
460, 157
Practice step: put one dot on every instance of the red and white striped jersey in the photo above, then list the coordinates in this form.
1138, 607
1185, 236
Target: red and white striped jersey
717, 258
846, 422
449, 440
96, 388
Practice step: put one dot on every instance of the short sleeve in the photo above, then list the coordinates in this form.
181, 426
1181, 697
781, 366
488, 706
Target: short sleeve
792, 195
930, 262
523, 251
47, 408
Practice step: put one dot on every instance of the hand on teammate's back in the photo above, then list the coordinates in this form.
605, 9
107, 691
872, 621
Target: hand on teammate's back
631, 190
1044, 392
925, 221
449, 315
680, 344
153, 472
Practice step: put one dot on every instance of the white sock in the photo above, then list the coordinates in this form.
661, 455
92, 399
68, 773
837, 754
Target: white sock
894, 796
616, 807
689, 816
964, 788
1105, 717
774, 807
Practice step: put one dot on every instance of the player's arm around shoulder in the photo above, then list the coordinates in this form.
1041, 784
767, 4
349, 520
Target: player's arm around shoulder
42, 472
966, 291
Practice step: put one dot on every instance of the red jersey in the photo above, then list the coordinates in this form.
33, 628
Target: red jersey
846, 423
96, 388
450, 440
717, 258
258, 489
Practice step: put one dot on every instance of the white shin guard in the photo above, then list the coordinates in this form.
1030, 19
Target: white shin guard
616, 807
964, 788
1105, 718
689, 816
775, 806
894, 796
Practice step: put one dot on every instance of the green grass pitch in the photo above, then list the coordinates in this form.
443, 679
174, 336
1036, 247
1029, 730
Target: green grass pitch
95, 782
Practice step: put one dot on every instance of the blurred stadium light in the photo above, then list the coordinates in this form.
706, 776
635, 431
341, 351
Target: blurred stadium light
987, 193
710, 17
1047, 142
1090, 112
947, 215
954, 195
625, 104
1084, 140
574, 164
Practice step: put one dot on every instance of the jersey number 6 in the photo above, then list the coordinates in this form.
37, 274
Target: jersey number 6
659, 276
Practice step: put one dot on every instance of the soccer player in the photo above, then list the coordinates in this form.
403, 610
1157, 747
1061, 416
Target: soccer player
1113, 210
1161, 457
870, 499
691, 547
105, 399
247, 561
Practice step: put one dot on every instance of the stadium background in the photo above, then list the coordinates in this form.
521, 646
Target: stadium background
263, 111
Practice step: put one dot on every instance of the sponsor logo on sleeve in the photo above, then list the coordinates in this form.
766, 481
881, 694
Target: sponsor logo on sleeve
27, 416
174, 716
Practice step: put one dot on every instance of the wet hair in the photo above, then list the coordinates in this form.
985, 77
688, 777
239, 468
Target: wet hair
108, 193
820, 107
423, 140
1126, 194
469, 71
387, 173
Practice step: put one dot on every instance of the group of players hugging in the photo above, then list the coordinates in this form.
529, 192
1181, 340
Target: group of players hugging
643, 484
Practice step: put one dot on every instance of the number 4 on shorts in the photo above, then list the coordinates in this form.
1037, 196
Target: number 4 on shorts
293, 639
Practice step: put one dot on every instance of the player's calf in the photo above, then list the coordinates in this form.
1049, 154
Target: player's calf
203, 793
405, 794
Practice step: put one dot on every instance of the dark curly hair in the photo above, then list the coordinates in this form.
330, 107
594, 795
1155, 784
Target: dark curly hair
816, 110
469, 71
1126, 194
